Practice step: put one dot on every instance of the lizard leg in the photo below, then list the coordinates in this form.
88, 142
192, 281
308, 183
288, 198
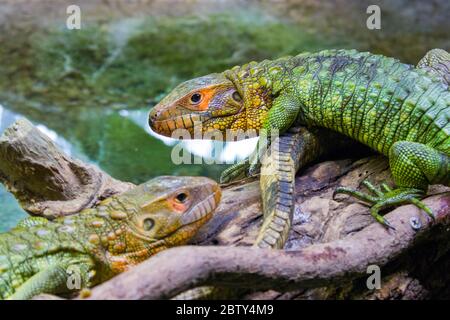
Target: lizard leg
280, 118
243, 169
414, 166
383, 199
289, 150
250, 166
288, 153
52, 280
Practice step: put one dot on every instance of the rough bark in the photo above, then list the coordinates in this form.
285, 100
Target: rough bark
331, 243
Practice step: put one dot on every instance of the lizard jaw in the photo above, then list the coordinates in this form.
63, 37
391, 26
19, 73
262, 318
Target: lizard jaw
167, 126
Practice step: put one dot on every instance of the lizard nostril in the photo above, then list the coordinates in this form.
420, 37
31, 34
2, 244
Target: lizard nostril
153, 115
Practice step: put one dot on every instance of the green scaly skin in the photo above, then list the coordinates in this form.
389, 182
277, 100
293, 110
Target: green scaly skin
397, 109
42, 256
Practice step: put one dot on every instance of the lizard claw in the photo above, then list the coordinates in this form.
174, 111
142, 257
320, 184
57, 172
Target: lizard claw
385, 198
386, 223
247, 168
237, 171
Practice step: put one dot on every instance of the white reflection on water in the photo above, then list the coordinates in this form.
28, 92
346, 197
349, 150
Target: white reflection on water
231, 151
6, 118
10, 211
238, 150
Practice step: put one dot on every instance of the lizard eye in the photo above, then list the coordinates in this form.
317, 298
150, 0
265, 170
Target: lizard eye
181, 197
148, 224
196, 98
236, 96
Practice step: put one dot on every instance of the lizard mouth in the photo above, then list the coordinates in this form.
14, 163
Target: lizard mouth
192, 123
201, 209
166, 126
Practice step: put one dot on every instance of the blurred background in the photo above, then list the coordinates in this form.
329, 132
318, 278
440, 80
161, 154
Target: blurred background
90, 90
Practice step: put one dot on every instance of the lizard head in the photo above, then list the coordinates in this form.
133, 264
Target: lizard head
170, 210
216, 104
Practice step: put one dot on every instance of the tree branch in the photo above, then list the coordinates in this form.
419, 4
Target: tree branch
45, 180
317, 265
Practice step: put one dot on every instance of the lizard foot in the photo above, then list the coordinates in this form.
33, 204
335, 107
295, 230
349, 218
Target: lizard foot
387, 197
241, 170
249, 167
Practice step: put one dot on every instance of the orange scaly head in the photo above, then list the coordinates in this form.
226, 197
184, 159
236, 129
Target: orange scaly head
211, 103
164, 212
174, 208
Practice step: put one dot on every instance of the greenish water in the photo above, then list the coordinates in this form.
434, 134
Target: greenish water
90, 90
11, 211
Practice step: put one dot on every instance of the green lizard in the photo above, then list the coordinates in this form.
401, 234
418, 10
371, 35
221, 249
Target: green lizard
396, 109
42, 256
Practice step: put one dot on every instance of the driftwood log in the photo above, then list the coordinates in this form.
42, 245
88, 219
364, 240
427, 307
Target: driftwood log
332, 242
45, 180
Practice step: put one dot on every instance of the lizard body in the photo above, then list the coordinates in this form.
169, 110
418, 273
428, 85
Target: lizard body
42, 256
370, 98
401, 111
319, 102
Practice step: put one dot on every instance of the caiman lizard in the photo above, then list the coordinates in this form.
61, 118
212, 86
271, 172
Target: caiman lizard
43, 256
312, 100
